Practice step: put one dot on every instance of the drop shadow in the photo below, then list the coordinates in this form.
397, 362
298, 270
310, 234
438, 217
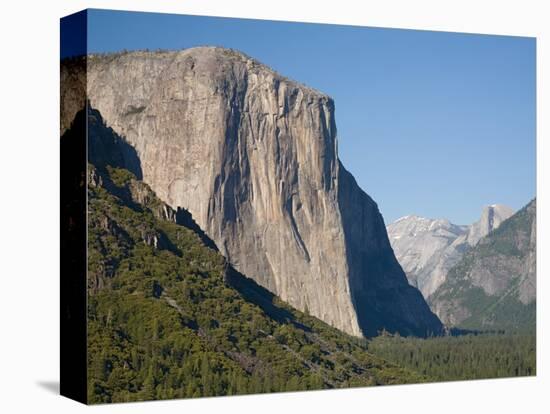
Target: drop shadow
50, 386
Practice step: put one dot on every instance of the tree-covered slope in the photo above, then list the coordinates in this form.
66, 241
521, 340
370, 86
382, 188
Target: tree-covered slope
494, 284
169, 318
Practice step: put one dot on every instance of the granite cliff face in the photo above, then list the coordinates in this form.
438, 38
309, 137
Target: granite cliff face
253, 157
491, 218
428, 248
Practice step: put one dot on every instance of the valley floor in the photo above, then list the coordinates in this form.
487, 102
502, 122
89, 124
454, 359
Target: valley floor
463, 357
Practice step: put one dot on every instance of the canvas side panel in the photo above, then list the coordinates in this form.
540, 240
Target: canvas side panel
73, 31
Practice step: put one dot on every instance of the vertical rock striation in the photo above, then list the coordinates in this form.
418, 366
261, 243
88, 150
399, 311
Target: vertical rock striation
253, 157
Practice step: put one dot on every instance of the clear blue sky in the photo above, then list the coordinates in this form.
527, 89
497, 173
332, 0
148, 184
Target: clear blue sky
430, 123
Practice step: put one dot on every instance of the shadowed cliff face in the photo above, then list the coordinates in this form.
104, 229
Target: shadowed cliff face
252, 156
381, 293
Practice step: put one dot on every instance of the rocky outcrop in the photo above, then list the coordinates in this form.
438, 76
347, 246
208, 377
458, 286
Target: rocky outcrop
494, 283
428, 248
253, 157
491, 218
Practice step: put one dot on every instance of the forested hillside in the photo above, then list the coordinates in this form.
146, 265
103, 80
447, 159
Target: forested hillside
493, 286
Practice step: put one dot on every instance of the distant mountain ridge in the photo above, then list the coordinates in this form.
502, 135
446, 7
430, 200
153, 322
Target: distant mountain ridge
493, 286
428, 248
